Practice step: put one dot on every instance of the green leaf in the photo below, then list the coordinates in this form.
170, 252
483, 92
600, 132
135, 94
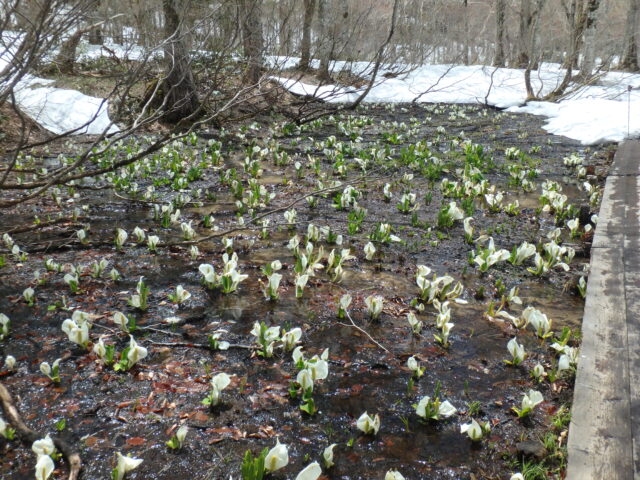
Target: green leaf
61, 424
173, 443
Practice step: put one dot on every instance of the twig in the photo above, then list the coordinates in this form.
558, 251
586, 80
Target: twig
152, 329
363, 331
29, 436
198, 345
29, 228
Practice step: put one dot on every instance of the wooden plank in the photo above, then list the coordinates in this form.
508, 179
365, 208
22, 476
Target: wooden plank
604, 435
627, 150
613, 212
632, 294
618, 195
632, 297
600, 441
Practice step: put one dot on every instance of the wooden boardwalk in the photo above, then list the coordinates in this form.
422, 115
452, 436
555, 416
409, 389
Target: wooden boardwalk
604, 435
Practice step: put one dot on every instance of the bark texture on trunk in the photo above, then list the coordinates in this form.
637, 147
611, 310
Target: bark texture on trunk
524, 27
581, 16
630, 56
324, 47
66, 59
499, 58
305, 46
252, 39
465, 52
181, 99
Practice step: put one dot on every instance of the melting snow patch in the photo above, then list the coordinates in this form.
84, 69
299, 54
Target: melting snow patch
59, 110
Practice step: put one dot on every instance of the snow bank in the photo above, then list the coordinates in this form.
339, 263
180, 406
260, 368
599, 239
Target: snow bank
56, 109
593, 114
60, 110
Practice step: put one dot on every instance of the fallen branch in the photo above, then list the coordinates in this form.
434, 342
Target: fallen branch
198, 345
30, 228
29, 436
363, 331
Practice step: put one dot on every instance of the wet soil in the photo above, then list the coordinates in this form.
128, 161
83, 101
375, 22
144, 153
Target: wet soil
136, 412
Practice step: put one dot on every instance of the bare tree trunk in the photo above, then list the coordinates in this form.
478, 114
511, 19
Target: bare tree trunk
340, 44
66, 59
284, 29
630, 56
581, 16
533, 58
305, 47
324, 47
498, 59
588, 51
379, 58
143, 21
583, 20
522, 58
252, 39
95, 36
465, 54
181, 100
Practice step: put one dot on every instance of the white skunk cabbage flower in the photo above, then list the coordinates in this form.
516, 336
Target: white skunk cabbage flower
219, 383
44, 467
305, 379
136, 352
277, 458
368, 425
125, 465
531, 400
327, 455
414, 365
181, 434
538, 320
393, 475
310, 472
291, 338
44, 446
78, 334
10, 362
473, 430
369, 251
139, 234
516, 350
374, 305
121, 238
434, 409
121, 320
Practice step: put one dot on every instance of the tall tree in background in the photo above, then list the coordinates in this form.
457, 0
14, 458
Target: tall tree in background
524, 24
588, 41
630, 55
324, 45
285, 34
499, 58
180, 100
465, 52
581, 16
534, 12
530, 11
305, 45
252, 39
